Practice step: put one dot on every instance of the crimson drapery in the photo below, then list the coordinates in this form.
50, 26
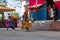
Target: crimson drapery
40, 1
35, 3
32, 2
57, 3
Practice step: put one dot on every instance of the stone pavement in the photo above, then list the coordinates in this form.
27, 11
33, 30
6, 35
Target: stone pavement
41, 24
19, 34
55, 25
49, 25
36, 35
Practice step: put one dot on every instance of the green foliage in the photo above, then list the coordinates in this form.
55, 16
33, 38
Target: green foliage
0, 18
2, 5
26, 6
15, 15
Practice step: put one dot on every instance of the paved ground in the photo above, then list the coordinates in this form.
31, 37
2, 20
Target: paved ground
19, 34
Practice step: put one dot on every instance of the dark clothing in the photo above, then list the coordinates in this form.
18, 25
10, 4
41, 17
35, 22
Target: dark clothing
11, 24
50, 2
25, 18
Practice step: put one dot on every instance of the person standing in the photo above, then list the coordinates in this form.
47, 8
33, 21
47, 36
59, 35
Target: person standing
51, 12
25, 21
10, 23
13, 24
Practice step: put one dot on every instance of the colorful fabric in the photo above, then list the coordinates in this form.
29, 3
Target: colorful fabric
32, 2
35, 3
51, 13
12, 22
40, 1
26, 24
9, 24
57, 3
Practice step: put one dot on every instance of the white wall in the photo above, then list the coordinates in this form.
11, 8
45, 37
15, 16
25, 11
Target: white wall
18, 5
6, 15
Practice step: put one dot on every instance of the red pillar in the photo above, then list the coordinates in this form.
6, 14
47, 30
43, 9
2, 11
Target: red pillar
2, 16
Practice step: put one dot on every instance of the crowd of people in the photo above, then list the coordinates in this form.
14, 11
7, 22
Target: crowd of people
7, 23
20, 23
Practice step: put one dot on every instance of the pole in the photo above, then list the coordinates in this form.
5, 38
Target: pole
2, 15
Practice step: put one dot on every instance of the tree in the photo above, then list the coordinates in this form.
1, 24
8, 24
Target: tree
15, 15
